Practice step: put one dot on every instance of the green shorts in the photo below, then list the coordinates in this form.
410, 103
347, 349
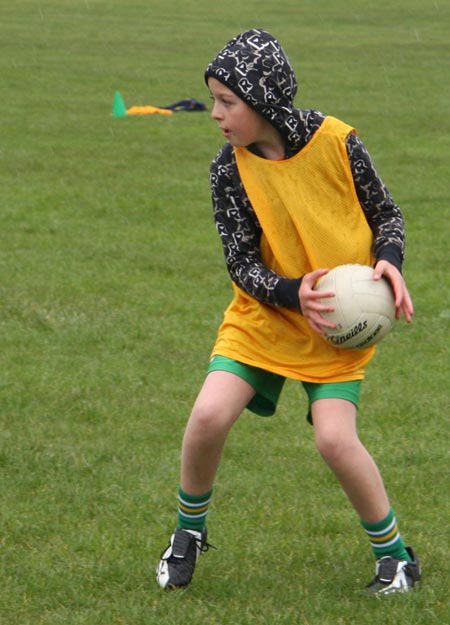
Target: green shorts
268, 386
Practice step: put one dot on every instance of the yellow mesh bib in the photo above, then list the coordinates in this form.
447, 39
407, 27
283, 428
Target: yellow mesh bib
311, 219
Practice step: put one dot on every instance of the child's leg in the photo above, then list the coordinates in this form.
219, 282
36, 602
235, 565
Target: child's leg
220, 402
338, 442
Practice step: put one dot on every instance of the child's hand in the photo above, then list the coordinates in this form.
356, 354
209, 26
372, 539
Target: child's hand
403, 302
311, 308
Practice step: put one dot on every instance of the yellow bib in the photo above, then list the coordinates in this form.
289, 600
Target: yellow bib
311, 218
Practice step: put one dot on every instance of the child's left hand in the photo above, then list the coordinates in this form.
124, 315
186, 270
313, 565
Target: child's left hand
403, 302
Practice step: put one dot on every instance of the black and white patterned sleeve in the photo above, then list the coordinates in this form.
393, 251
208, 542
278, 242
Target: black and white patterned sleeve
383, 215
240, 234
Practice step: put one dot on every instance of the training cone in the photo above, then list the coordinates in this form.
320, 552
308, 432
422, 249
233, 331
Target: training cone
119, 109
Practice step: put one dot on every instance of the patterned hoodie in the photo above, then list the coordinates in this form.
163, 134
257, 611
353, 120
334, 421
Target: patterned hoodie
254, 66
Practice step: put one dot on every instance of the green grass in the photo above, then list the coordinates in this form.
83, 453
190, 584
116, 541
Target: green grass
112, 287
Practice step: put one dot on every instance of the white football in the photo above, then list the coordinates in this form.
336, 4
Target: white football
364, 309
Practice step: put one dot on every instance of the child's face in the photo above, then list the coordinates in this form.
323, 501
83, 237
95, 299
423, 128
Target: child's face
240, 124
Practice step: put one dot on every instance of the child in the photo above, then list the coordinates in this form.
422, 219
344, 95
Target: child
295, 193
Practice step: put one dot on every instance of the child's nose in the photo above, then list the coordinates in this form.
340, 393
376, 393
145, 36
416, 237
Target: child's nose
215, 113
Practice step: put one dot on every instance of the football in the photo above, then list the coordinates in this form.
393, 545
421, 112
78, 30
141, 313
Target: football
364, 309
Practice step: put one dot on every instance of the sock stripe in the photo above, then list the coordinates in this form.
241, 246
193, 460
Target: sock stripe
385, 537
189, 515
388, 543
187, 505
390, 528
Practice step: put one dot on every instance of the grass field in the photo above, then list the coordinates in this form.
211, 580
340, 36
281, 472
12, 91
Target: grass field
112, 285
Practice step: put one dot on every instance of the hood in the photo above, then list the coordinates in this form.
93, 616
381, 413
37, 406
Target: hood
255, 67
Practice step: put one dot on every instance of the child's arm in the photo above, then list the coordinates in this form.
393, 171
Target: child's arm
386, 222
240, 233
383, 215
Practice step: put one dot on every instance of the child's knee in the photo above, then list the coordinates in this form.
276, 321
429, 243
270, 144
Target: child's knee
210, 417
334, 446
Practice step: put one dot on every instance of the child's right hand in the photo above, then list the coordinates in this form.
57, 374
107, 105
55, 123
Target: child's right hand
310, 306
